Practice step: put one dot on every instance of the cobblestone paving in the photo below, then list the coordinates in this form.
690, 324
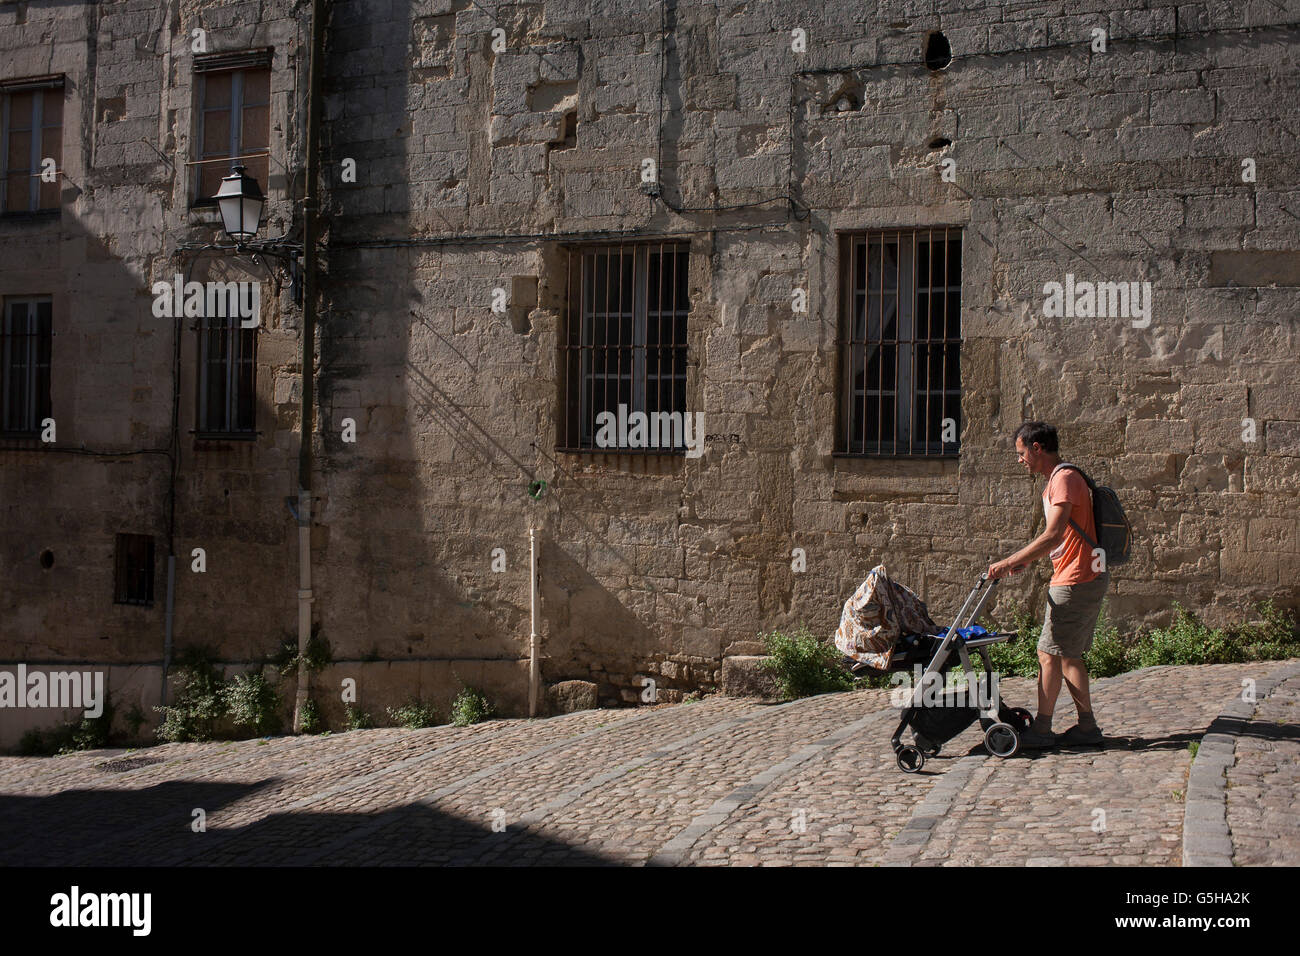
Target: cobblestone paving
1119, 804
723, 781
1265, 781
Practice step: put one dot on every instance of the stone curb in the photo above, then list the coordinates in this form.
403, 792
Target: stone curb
1207, 841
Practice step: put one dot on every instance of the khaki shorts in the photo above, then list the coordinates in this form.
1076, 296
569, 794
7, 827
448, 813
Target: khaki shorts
1072, 612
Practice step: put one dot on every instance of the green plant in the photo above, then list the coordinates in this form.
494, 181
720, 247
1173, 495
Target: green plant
134, 720
470, 707
318, 656
89, 733
1273, 638
253, 704
199, 703
354, 718
1109, 654
1018, 658
1193, 748
802, 664
413, 715
309, 718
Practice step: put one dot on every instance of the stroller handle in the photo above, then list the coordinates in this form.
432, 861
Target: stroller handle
985, 575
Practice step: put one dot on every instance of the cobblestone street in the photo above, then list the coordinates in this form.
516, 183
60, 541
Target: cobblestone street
721, 782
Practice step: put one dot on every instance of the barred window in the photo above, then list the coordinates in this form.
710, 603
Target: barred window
26, 340
31, 127
234, 127
900, 343
133, 575
227, 379
623, 343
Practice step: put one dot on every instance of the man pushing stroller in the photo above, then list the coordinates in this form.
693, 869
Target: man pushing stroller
1075, 592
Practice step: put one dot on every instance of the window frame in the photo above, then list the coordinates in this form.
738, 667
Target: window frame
128, 573
236, 66
851, 442
38, 87
577, 378
230, 331
37, 393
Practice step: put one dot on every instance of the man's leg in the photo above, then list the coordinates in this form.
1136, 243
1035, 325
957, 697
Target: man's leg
1049, 688
1076, 679
1075, 672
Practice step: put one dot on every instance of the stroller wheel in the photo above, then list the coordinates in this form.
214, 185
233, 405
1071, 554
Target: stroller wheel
1001, 740
1024, 717
910, 759
924, 745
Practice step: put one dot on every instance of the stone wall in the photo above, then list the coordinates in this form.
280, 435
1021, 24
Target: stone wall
1120, 165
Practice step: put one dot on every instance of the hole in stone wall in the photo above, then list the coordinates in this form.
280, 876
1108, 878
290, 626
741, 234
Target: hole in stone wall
939, 142
568, 132
47, 559
938, 52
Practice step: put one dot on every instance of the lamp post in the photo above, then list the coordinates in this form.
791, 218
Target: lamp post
242, 203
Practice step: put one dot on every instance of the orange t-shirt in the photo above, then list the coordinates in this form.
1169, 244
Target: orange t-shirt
1072, 559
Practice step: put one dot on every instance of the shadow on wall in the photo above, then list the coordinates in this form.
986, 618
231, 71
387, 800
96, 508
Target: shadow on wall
589, 633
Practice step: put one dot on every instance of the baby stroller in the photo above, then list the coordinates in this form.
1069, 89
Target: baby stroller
935, 714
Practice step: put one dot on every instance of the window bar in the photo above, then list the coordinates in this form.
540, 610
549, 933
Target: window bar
231, 375
898, 333
562, 354
586, 387
858, 349
865, 346
604, 377
943, 359
5, 345
912, 347
929, 331
657, 406
681, 311
848, 302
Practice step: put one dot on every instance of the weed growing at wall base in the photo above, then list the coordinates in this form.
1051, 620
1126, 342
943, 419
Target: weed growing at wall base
802, 664
470, 707
413, 715
1187, 640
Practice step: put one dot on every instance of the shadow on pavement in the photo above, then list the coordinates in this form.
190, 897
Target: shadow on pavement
153, 827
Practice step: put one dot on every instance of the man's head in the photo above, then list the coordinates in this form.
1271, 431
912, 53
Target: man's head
1037, 446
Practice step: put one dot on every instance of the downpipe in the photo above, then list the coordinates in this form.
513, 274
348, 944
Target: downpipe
533, 673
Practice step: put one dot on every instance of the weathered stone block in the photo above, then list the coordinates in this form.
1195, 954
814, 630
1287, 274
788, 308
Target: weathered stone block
570, 696
745, 676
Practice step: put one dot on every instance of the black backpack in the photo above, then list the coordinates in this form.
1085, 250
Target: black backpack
1114, 532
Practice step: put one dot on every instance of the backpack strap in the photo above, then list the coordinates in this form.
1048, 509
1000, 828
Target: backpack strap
1092, 488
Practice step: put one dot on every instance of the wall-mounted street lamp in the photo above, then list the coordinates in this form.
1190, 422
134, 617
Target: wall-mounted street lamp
241, 202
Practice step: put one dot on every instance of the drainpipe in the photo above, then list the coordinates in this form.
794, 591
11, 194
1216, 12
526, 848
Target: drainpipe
532, 638
309, 236
168, 625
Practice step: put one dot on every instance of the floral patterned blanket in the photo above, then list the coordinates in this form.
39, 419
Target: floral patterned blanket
879, 613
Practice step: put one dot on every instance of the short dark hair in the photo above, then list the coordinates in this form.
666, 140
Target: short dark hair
1040, 432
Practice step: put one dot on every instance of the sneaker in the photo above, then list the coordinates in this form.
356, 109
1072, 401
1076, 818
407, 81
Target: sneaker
1077, 736
1032, 740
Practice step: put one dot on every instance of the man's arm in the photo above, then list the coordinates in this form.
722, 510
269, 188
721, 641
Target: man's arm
1058, 519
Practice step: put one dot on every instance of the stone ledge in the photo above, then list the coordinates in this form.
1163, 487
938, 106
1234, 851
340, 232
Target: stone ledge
745, 676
